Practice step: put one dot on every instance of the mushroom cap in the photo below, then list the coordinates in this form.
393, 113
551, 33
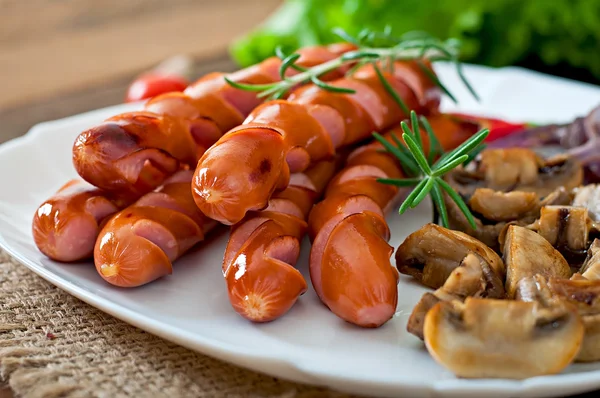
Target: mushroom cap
472, 278
431, 253
474, 339
526, 254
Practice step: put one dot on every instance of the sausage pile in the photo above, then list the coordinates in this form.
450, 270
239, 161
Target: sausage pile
134, 153
155, 182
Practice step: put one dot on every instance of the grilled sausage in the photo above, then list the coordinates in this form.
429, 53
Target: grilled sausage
140, 243
252, 161
66, 225
258, 265
350, 266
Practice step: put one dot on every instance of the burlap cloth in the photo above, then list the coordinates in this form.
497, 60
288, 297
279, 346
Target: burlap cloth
54, 345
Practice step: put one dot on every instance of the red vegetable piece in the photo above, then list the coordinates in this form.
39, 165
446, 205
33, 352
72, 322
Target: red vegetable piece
151, 84
498, 128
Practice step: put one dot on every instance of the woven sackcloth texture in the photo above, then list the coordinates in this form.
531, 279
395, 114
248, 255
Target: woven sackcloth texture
54, 345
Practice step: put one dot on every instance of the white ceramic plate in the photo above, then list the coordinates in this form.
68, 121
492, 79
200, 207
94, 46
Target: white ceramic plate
309, 344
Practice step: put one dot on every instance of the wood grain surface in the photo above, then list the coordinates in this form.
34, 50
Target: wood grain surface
53, 52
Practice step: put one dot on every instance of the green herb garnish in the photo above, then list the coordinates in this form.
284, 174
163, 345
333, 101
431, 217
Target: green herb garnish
380, 49
424, 172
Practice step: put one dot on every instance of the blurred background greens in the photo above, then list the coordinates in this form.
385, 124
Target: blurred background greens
560, 37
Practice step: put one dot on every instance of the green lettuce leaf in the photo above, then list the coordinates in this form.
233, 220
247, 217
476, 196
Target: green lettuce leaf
562, 34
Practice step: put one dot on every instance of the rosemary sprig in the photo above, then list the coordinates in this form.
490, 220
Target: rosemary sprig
424, 172
380, 49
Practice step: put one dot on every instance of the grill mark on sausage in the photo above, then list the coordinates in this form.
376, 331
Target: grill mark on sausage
264, 167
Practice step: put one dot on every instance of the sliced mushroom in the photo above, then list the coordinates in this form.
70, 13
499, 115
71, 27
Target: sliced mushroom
487, 338
501, 206
590, 269
504, 169
472, 278
517, 169
588, 196
567, 229
565, 226
526, 254
559, 197
433, 252
585, 295
417, 316
500, 185
491, 232
581, 293
534, 288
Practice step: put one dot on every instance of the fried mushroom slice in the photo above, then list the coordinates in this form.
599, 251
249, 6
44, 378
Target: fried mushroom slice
416, 320
431, 253
588, 196
499, 187
585, 295
521, 169
487, 338
526, 254
516, 169
490, 231
590, 269
503, 169
472, 278
567, 228
503, 206
534, 288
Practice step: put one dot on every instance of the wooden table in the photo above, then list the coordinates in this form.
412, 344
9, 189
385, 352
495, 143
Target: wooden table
62, 58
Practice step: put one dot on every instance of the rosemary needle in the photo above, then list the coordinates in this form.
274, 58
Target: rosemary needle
428, 179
